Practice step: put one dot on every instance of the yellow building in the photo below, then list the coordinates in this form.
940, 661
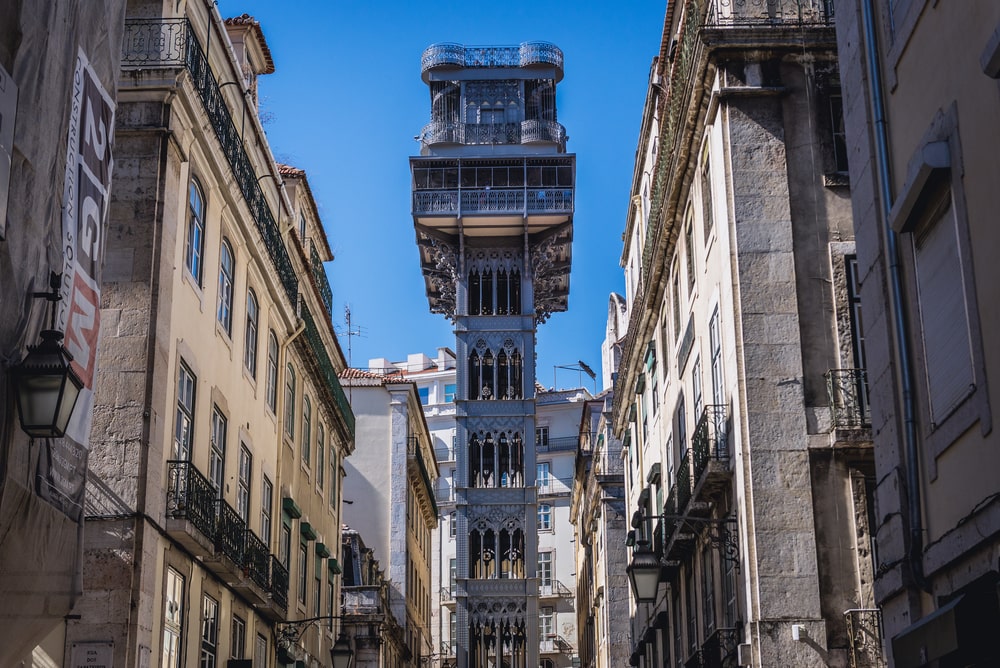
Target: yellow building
213, 511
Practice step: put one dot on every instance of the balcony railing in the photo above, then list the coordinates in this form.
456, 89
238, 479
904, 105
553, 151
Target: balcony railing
710, 440
864, 631
319, 275
554, 644
525, 132
413, 450
447, 595
542, 131
448, 648
556, 589
684, 482
719, 648
848, 392
255, 560
279, 583
190, 496
169, 43
492, 201
326, 367
560, 444
769, 12
230, 532
458, 55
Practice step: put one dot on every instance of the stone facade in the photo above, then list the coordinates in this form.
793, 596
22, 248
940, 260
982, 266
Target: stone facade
920, 104
213, 513
739, 399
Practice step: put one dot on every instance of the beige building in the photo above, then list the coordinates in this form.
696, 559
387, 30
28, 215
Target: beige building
740, 394
389, 492
58, 71
921, 106
213, 509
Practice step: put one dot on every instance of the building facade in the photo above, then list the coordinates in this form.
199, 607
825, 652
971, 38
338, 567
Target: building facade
389, 489
921, 100
219, 427
740, 398
492, 210
58, 69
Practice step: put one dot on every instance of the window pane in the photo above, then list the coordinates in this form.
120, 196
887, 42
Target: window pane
225, 308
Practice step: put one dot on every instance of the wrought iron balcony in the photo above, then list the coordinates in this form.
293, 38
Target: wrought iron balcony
319, 275
448, 648
329, 374
555, 589
256, 561
447, 595
230, 533
554, 644
476, 134
864, 632
710, 445
191, 497
684, 482
769, 12
279, 583
560, 444
458, 55
414, 453
720, 648
848, 393
171, 43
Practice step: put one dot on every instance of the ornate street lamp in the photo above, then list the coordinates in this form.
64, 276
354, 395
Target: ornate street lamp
45, 386
644, 573
289, 634
341, 653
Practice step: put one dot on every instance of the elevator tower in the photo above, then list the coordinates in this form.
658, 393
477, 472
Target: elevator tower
492, 204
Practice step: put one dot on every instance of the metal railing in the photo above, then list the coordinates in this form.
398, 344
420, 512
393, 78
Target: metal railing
279, 583
560, 444
319, 275
523, 132
190, 496
769, 12
710, 438
447, 594
527, 53
157, 43
684, 482
534, 130
848, 393
230, 532
255, 560
555, 588
413, 450
719, 648
492, 201
326, 367
554, 643
864, 633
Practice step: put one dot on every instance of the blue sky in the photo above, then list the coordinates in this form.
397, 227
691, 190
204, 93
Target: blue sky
346, 100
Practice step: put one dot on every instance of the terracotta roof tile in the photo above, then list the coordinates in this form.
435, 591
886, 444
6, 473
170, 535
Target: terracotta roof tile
247, 20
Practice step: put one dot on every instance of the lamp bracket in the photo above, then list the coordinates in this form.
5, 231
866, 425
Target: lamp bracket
291, 632
721, 532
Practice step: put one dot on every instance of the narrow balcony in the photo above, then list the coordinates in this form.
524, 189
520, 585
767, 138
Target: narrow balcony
533, 131
864, 632
558, 595
677, 538
848, 393
719, 649
320, 277
279, 590
255, 584
683, 484
554, 643
447, 596
710, 445
190, 508
769, 13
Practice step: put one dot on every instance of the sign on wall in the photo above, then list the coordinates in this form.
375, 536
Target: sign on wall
92, 655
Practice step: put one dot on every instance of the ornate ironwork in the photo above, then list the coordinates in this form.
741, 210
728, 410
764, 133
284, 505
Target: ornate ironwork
255, 560
458, 55
539, 131
557, 589
230, 532
864, 632
153, 43
329, 374
158, 42
499, 200
848, 392
770, 12
319, 275
525, 132
720, 647
695, 660
279, 583
190, 496
710, 438
684, 481
414, 450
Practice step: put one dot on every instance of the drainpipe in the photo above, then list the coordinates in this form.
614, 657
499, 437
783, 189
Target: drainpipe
897, 315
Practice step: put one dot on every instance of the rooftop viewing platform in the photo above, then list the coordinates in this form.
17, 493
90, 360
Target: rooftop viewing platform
446, 55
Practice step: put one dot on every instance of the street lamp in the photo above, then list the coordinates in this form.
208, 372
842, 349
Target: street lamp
644, 573
341, 653
289, 634
45, 386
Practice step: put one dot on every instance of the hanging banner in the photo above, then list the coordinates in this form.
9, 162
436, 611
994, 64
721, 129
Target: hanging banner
62, 463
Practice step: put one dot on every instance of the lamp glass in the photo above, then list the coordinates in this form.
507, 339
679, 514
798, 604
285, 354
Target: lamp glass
644, 574
341, 653
47, 388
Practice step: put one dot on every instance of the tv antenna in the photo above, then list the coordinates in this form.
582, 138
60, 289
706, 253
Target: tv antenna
581, 368
350, 331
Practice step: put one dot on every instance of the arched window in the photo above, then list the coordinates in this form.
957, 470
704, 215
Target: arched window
307, 411
475, 461
515, 292
250, 336
271, 382
487, 292
474, 374
503, 376
474, 296
194, 247
488, 379
290, 402
489, 462
226, 271
503, 291
516, 375
517, 460
320, 455
503, 447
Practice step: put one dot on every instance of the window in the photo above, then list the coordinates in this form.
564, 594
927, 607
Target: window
303, 576
329, 598
453, 524
689, 249
239, 638
194, 248
266, 496
271, 390
225, 308
243, 484
260, 652
250, 339
542, 436
285, 545
546, 626
707, 203
425, 395
217, 457
545, 570
680, 420
715, 347
707, 593
184, 423
837, 131
334, 476
209, 632
302, 227
320, 455
173, 618
452, 574
699, 400
290, 402
306, 431
544, 517
676, 303
317, 590
449, 392
542, 476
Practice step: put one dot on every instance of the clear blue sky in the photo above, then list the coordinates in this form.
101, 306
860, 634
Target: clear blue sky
346, 100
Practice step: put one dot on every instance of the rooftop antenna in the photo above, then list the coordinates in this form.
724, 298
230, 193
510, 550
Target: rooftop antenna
350, 332
581, 368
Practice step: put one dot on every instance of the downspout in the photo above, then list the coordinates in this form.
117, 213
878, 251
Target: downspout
915, 547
